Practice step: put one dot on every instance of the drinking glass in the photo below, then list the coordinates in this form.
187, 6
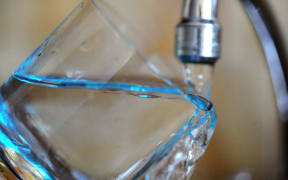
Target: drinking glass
99, 99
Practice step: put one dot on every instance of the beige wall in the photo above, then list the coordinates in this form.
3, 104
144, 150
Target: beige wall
247, 134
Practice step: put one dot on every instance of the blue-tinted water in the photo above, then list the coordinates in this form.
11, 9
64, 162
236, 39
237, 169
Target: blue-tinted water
91, 125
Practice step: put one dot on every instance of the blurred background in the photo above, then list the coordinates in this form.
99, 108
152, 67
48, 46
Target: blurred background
247, 142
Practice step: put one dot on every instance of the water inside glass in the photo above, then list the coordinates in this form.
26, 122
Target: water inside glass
89, 104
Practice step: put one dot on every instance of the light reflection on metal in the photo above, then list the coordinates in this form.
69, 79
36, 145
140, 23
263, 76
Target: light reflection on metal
200, 9
272, 58
198, 33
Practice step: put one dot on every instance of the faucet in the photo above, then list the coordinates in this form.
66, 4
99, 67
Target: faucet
198, 33
198, 42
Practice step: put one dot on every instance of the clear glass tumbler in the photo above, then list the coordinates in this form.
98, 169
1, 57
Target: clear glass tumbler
97, 100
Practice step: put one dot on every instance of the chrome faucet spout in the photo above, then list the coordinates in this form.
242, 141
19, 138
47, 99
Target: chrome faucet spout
198, 33
200, 10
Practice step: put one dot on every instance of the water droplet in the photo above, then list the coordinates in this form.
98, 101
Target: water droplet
200, 76
75, 74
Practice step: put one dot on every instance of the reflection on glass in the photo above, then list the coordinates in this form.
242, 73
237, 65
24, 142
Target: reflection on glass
88, 103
